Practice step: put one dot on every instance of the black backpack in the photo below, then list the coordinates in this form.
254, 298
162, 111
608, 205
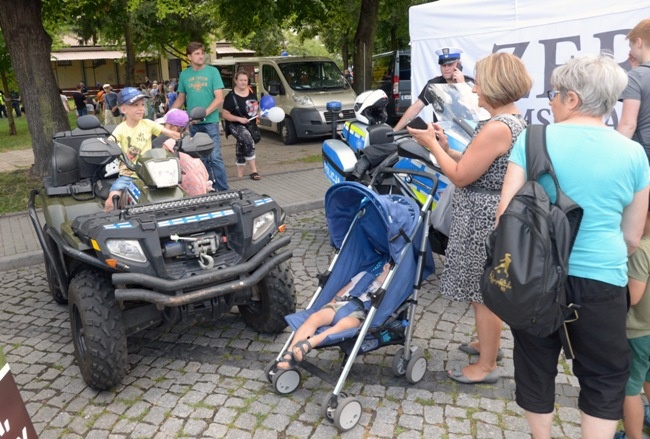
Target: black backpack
528, 252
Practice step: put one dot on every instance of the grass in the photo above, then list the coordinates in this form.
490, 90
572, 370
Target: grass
16, 185
23, 140
14, 190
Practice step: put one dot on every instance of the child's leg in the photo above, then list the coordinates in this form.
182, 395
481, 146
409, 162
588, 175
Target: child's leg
633, 418
299, 352
345, 323
320, 318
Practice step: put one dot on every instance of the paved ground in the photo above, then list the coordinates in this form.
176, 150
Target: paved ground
207, 380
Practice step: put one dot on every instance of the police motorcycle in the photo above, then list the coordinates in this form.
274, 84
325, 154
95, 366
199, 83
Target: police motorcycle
160, 257
369, 151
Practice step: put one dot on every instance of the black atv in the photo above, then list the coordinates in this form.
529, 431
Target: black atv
162, 258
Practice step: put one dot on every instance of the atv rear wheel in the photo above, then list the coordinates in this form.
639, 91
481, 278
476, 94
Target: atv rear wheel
98, 331
55, 291
273, 298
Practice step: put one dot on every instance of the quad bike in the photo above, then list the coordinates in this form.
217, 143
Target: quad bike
161, 258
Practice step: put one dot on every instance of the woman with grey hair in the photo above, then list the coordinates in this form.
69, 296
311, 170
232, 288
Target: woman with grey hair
607, 175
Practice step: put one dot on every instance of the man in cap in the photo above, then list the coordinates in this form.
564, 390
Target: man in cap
111, 110
451, 69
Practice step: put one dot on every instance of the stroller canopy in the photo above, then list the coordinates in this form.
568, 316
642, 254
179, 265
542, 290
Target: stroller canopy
387, 219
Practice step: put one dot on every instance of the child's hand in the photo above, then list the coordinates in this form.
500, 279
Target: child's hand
169, 145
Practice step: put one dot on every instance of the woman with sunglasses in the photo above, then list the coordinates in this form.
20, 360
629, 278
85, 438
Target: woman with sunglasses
607, 175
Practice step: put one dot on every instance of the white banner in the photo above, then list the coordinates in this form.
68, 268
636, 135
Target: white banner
543, 34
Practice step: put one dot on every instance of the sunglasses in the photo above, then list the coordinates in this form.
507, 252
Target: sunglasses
551, 94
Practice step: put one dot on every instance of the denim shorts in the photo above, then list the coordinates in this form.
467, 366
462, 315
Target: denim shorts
121, 183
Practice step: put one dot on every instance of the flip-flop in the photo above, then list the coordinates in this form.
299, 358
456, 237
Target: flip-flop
255, 176
471, 350
300, 346
458, 375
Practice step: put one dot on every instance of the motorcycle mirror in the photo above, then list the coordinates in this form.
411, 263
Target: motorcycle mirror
197, 113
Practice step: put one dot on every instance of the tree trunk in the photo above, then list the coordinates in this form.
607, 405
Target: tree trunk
29, 47
130, 55
345, 50
364, 43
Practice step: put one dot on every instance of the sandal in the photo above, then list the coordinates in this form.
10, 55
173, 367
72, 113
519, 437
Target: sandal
288, 360
255, 176
300, 347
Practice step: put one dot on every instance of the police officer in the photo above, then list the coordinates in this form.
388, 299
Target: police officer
451, 69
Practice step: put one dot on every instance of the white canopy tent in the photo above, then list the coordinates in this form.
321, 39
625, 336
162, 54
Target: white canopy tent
542, 34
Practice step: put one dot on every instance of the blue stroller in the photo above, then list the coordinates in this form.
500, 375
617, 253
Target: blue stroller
367, 230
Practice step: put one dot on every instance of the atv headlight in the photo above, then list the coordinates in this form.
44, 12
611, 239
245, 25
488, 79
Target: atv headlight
163, 173
262, 224
126, 249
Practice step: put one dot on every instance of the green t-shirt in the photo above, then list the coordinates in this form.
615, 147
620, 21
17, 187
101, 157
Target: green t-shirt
638, 267
199, 87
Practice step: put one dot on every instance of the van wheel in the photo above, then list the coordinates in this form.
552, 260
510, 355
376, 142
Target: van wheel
288, 132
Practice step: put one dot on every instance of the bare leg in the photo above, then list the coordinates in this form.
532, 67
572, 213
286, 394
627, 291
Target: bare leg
251, 163
240, 170
597, 428
633, 417
318, 319
342, 325
488, 329
540, 424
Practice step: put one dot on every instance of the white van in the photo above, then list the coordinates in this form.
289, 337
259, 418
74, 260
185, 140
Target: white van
301, 86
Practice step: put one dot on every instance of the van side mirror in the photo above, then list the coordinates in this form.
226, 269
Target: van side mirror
274, 88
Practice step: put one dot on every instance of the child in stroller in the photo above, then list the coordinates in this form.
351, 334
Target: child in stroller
346, 310
379, 239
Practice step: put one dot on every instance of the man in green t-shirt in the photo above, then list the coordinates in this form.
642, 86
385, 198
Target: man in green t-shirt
200, 85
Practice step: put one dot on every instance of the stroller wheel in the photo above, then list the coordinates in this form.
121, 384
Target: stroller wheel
399, 363
347, 414
416, 368
285, 381
328, 406
269, 370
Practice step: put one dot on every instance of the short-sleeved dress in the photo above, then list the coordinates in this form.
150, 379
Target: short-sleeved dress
473, 215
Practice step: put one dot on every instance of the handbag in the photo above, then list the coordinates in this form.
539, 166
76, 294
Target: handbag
255, 131
251, 126
441, 215
441, 221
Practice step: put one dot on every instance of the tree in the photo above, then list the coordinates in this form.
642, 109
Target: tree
29, 46
364, 43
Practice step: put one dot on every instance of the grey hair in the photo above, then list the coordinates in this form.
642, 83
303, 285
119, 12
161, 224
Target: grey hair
597, 79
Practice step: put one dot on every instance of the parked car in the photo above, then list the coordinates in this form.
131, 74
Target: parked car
301, 85
391, 72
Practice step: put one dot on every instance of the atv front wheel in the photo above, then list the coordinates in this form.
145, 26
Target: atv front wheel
98, 331
273, 298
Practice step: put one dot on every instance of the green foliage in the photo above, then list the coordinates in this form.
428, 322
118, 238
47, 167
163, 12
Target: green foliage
14, 190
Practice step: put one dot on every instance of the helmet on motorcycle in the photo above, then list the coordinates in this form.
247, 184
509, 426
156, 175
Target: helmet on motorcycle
370, 107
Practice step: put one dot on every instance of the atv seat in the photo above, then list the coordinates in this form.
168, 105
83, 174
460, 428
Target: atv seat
66, 168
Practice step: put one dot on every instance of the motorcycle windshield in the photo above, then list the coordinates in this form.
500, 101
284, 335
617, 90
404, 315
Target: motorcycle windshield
456, 108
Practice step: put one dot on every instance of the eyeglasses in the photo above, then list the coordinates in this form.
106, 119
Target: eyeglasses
551, 94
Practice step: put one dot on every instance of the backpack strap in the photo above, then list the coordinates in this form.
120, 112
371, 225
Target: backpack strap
538, 163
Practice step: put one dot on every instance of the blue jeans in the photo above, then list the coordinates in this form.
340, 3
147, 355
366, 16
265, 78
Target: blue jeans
214, 164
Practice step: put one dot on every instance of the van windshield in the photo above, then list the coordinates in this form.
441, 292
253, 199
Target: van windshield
314, 75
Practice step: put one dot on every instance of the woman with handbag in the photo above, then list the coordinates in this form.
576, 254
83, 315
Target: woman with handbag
240, 109
477, 173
